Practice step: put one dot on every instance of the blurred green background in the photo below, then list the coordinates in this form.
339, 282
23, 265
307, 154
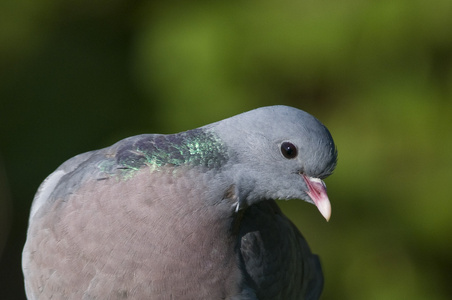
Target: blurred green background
79, 75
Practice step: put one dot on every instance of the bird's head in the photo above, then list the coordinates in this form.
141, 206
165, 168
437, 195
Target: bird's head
278, 152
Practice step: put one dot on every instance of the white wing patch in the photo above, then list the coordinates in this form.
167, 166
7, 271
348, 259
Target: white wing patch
44, 191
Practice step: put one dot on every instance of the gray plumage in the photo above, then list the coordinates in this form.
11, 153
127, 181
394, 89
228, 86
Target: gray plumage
184, 216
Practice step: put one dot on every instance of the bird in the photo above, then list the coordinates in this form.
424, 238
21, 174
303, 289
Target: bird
191, 215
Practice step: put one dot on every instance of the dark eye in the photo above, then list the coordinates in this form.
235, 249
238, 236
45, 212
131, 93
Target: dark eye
289, 150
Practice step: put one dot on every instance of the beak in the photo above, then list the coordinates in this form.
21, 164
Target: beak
317, 192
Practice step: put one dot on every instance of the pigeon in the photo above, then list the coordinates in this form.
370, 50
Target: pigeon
190, 215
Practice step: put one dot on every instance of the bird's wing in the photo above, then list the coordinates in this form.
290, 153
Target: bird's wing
277, 261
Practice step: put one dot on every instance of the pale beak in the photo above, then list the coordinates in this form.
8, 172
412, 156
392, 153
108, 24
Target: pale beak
317, 192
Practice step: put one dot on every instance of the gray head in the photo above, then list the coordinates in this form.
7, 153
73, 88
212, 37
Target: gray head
278, 152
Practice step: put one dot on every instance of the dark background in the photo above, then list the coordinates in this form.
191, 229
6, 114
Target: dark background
79, 75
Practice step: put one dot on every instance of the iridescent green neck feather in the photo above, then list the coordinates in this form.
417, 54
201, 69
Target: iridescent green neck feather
190, 148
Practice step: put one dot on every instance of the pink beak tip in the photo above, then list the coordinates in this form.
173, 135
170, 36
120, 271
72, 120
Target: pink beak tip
317, 192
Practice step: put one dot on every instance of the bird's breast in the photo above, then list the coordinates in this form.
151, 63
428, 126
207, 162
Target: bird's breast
149, 236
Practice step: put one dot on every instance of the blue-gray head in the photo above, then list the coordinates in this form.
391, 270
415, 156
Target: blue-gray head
278, 152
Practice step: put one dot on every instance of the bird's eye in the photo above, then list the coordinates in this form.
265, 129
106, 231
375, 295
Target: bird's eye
289, 150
